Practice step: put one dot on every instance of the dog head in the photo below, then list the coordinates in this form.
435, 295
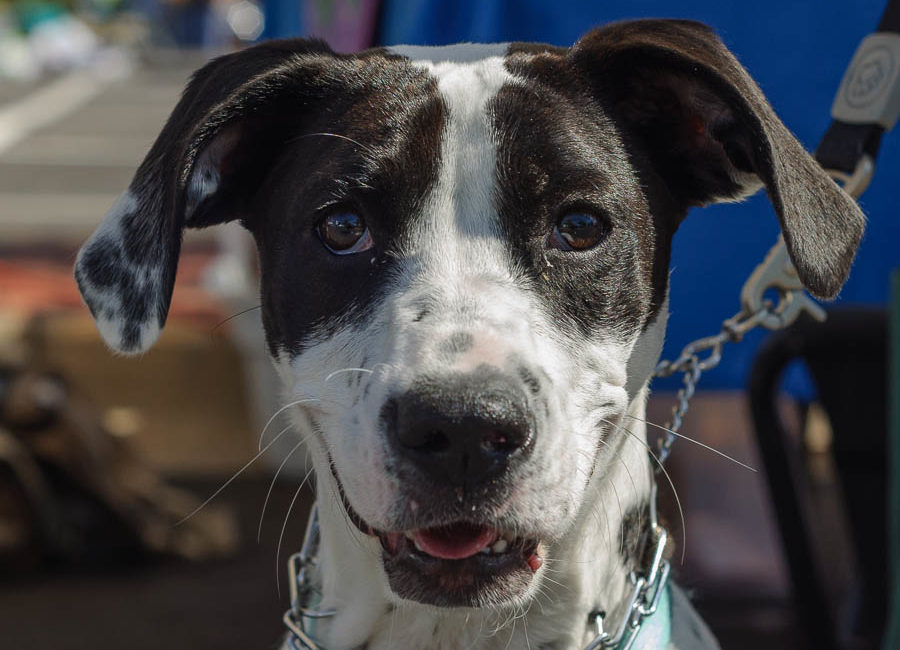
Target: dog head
464, 262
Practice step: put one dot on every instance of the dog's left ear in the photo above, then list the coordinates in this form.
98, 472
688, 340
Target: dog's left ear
203, 168
708, 131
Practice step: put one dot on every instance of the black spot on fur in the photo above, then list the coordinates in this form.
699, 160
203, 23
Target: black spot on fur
633, 535
456, 344
529, 379
101, 263
131, 335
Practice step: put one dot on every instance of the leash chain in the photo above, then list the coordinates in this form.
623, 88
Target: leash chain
775, 272
692, 364
303, 593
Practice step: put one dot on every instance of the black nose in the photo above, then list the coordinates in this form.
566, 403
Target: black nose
462, 430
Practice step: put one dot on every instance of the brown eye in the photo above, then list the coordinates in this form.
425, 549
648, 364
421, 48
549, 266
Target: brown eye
344, 233
579, 231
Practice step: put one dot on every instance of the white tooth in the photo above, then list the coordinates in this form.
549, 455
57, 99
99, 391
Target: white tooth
416, 544
409, 535
500, 546
486, 550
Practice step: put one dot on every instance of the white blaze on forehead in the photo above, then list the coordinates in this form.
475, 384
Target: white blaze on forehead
459, 228
460, 251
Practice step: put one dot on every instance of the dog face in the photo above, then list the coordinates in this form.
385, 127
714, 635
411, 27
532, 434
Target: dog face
464, 260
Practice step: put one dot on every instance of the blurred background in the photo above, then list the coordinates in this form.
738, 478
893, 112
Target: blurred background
101, 456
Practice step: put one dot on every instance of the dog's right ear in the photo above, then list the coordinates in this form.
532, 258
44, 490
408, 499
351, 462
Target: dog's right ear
711, 136
208, 155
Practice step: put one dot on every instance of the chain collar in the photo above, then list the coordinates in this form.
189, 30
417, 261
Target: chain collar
304, 598
649, 584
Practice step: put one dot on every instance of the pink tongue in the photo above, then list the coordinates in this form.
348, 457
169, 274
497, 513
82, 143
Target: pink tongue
454, 542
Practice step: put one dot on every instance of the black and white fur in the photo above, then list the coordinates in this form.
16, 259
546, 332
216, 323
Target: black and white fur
462, 160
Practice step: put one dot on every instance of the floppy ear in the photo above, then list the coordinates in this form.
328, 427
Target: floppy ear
708, 131
209, 154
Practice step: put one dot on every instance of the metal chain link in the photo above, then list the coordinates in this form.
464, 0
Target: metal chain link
692, 364
696, 358
775, 272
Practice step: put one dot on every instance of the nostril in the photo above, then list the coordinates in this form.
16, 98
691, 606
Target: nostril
501, 442
433, 441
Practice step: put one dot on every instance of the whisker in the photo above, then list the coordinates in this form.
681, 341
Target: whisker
272, 484
696, 442
668, 478
352, 531
594, 508
633, 488
525, 628
281, 535
240, 313
512, 631
616, 492
234, 476
337, 372
368, 150
279, 412
557, 583
612, 484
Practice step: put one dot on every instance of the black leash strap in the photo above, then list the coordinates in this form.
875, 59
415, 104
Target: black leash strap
868, 101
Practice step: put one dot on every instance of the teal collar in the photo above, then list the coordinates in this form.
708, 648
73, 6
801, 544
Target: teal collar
655, 632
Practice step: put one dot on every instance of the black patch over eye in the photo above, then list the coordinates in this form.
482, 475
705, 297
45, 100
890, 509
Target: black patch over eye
579, 231
344, 233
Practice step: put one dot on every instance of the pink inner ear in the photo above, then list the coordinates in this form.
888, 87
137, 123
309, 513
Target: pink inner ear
217, 153
697, 125
214, 160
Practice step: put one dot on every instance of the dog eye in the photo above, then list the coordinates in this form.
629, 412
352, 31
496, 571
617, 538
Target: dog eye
579, 231
344, 233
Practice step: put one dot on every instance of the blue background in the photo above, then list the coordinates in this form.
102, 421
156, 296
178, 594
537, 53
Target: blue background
797, 52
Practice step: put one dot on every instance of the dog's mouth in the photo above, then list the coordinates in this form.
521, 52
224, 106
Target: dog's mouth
460, 564
459, 541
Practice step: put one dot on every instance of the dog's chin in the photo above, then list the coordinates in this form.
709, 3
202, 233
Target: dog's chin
457, 564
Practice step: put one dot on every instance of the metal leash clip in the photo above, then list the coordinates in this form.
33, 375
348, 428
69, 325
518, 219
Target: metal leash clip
777, 272
299, 566
856, 183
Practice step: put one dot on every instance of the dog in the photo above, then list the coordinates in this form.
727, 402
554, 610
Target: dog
464, 260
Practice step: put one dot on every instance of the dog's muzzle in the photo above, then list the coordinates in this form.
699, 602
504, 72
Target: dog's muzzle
457, 444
